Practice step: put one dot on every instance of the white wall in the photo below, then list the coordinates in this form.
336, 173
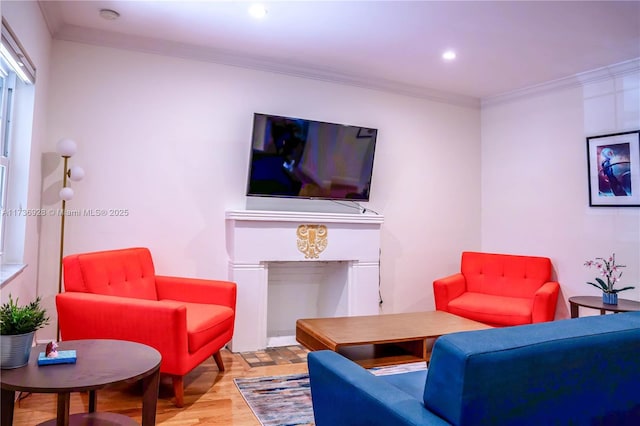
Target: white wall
534, 182
168, 140
28, 24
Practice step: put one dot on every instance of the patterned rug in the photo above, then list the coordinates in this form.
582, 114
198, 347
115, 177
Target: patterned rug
286, 400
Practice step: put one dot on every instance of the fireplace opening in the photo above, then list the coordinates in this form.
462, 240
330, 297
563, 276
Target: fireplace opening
309, 289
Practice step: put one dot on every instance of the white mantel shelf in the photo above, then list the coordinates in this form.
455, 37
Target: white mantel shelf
255, 239
287, 216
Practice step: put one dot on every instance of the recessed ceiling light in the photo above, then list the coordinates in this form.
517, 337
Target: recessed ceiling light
449, 55
109, 14
258, 11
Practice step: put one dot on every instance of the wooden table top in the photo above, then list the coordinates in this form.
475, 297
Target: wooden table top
595, 302
386, 328
99, 363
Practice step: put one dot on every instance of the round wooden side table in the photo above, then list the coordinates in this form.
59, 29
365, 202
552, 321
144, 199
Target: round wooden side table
99, 363
595, 302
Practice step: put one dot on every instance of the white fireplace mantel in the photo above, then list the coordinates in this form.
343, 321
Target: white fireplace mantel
285, 216
256, 238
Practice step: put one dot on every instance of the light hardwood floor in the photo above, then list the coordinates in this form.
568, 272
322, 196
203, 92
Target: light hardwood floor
210, 397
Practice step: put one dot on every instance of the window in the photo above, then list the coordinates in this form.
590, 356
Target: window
7, 87
17, 100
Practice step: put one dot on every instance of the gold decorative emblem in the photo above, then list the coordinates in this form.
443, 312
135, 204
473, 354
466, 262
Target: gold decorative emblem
312, 240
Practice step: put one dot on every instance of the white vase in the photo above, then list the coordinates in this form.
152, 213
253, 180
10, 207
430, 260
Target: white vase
15, 349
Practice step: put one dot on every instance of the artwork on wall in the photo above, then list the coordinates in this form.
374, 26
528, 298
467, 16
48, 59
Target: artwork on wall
613, 162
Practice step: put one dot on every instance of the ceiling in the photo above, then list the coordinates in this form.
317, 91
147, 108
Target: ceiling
502, 46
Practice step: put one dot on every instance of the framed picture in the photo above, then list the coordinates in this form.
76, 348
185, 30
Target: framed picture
613, 162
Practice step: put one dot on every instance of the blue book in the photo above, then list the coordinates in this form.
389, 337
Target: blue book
64, 357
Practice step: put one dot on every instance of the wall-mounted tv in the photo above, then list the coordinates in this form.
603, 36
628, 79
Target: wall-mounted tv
299, 158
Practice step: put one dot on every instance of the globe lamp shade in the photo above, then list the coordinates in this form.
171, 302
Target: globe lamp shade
76, 173
66, 147
66, 193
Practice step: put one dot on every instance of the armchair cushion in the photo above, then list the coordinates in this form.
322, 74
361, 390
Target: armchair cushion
206, 322
490, 308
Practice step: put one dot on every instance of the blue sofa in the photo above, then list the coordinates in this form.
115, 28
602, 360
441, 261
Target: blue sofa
583, 371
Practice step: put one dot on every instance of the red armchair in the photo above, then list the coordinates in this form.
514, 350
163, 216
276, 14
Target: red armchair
499, 289
116, 294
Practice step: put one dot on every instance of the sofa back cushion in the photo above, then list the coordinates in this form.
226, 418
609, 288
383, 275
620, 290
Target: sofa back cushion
575, 371
126, 273
505, 274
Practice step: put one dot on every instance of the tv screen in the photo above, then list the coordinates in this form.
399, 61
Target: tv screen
294, 157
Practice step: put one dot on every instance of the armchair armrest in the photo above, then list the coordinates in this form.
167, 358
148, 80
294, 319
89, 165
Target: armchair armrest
160, 324
344, 393
448, 288
196, 290
544, 302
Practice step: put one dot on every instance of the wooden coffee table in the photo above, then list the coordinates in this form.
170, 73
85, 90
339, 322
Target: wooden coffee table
382, 339
99, 363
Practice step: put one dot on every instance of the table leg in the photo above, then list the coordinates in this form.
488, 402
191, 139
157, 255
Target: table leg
93, 400
63, 409
574, 310
150, 387
8, 398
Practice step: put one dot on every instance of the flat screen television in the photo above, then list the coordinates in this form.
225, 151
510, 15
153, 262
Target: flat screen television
298, 158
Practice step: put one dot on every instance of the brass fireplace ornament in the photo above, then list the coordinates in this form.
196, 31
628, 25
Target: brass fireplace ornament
312, 240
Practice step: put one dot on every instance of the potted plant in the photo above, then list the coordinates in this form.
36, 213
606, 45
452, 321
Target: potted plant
610, 270
18, 325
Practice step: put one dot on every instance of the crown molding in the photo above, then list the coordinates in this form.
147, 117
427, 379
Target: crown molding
52, 15
592, 76
226, 57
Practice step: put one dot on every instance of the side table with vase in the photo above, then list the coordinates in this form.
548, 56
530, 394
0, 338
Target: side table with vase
596, 302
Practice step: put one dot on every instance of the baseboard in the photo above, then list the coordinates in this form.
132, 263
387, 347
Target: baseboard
278, 341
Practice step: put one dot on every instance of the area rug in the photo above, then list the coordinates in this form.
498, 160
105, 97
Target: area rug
286, 400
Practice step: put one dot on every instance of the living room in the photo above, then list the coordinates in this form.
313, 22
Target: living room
168, 139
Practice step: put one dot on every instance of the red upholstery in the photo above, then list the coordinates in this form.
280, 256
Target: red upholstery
499, 289
115, 294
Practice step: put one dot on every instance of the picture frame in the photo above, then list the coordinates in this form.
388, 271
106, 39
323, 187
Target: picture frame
613, 163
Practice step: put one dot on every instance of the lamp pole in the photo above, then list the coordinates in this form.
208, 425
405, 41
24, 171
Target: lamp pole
62, 216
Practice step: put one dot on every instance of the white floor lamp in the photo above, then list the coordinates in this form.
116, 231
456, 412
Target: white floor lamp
66, 148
